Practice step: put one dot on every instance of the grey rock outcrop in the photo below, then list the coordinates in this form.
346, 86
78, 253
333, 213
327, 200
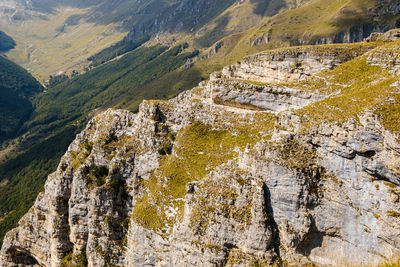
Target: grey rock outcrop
237, 93
292, 64
389, 36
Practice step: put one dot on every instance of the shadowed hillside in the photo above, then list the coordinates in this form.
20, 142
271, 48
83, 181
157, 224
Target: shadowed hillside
17, 89
6, 42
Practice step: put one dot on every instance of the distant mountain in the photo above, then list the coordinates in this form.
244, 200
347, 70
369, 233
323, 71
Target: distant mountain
61, 35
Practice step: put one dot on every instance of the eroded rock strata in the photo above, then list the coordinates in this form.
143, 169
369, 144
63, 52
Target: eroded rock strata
291, 156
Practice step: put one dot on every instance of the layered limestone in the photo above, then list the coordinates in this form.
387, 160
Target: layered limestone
234, 172
256, 82
247, 95
292, 64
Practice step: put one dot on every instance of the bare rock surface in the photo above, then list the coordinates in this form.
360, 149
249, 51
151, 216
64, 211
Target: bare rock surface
292, 64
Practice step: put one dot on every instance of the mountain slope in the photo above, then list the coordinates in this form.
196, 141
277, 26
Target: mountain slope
335, 21
17, 89
280, 158
59, 37
129, 78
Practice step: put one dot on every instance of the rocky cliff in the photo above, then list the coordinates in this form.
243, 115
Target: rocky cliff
290, 156
383, 17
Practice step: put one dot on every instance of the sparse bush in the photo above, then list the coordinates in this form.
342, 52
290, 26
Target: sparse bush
166, 148
100, 173
393, 213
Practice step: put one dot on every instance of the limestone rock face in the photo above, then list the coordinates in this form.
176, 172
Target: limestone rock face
259, 97
291, 64
389, 36
241, 170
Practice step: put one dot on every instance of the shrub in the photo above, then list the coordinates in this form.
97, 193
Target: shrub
100, 173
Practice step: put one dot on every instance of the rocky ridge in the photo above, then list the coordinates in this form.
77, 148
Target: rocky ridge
244, 169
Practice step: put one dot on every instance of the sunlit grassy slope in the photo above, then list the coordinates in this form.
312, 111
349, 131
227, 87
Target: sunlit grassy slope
321, 18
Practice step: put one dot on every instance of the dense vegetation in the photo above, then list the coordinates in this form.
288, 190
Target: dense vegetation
6, 42
81, 95
17, 87
115, 51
